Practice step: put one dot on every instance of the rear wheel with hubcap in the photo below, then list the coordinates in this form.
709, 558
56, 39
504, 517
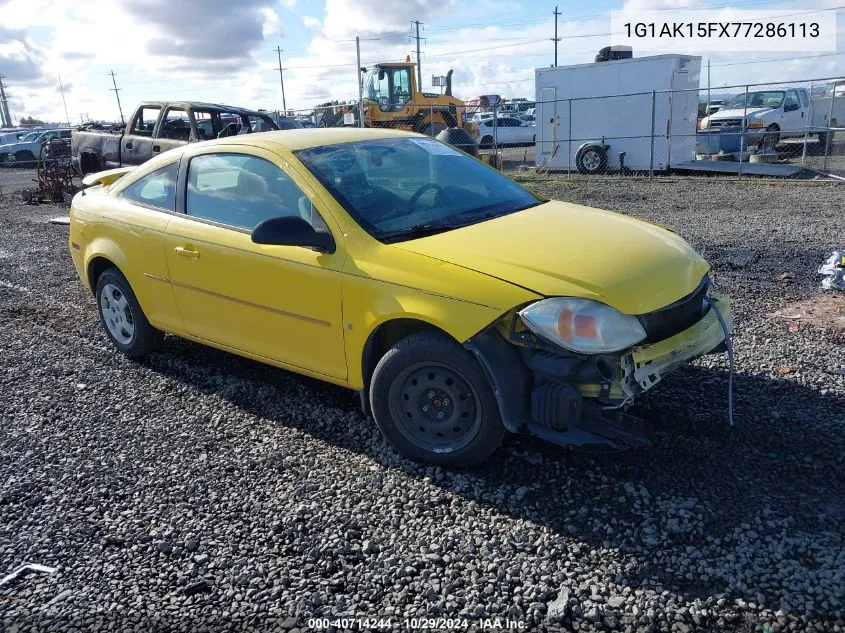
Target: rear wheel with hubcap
122, 318
433, 403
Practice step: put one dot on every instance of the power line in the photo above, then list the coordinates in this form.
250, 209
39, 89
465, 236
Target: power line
116, 90
778, 59
591, 16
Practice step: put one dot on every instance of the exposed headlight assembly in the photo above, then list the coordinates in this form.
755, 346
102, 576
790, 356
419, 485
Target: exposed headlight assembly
582, 325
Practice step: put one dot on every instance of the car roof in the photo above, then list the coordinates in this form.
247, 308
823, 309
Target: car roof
306, 138
201, 105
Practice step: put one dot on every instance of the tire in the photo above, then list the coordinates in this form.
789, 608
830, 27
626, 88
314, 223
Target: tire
486, 142
591, 159
433, 403
24, 158
825, 138
121, 316
771, 138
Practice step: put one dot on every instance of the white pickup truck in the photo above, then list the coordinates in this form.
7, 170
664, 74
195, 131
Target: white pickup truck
775, 114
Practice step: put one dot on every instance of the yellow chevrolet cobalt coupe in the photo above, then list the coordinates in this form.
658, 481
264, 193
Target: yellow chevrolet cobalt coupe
457, 303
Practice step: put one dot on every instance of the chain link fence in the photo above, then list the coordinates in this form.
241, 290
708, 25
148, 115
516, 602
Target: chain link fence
786, 129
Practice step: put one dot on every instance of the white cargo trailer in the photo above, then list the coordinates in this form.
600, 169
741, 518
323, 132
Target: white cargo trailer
589, 114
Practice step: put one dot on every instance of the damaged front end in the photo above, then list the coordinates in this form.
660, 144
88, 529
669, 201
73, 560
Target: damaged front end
581, 399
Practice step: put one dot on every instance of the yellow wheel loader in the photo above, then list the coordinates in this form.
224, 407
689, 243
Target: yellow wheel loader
393, 99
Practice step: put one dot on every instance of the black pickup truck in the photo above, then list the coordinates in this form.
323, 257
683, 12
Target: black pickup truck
157, 126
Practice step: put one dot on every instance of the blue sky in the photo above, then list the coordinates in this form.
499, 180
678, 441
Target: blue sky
223, 51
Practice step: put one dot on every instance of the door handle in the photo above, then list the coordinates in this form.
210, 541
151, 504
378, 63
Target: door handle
129, 145
186, 252
156, 148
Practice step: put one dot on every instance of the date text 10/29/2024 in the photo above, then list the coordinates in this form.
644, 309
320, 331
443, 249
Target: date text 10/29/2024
416, 624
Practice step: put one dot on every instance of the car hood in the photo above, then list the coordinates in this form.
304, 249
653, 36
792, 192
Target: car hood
562, 249
736, 113
8, 146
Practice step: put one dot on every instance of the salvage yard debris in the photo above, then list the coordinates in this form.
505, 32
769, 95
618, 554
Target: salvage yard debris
834, 271
24, 569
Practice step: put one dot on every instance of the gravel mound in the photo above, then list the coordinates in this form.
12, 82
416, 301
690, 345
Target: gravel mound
200, 491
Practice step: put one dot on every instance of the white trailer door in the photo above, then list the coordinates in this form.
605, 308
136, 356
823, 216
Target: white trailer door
548, 130
683, 117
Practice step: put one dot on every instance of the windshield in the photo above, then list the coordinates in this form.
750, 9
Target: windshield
389, 86
402, 188
31, 137
763, 99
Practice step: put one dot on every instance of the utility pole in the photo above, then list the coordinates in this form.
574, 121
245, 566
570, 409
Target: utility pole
62, 88
358, 72
419, 61
282, 79
707, 109
360, 86
4, 104
116, 90
557, 39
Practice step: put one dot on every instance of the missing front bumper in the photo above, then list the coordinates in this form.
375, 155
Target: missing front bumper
645, 366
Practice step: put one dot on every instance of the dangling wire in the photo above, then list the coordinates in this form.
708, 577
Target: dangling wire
730, 352
551, 156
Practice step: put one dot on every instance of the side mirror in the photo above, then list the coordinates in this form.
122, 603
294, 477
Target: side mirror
790, 107
292, 231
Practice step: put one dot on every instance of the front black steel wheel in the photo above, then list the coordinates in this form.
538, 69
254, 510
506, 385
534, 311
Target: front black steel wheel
433, 402
435, 407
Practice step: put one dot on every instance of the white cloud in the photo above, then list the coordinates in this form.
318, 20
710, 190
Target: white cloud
272, 23
311, 22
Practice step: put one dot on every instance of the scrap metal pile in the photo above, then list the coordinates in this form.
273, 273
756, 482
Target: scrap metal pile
55, 174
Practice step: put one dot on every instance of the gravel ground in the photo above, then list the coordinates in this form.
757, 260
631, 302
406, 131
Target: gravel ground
197, 489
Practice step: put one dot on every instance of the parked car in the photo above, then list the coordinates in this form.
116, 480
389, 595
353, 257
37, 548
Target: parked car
770, 115
25, 151
507, 131
157, 126
11, 136
460, 305
714, 106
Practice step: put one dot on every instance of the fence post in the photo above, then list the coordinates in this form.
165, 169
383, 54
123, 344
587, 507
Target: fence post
431, 118
651, 147
495, 130
828, 138
807, 125
742, 142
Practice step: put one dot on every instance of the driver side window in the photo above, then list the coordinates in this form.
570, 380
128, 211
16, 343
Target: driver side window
241, 191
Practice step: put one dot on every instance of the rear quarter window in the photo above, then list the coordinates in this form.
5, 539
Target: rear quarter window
156, 189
